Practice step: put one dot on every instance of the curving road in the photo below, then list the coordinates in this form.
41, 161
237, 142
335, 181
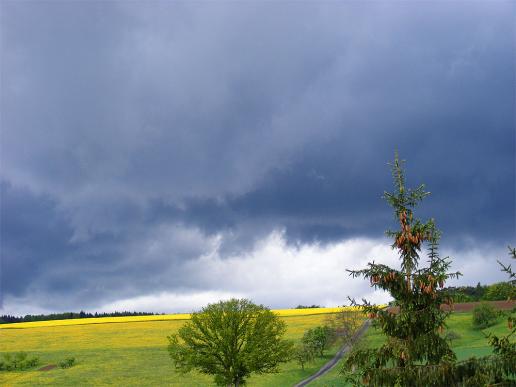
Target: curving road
339, 355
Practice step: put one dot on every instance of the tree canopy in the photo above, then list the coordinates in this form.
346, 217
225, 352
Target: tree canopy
231, 340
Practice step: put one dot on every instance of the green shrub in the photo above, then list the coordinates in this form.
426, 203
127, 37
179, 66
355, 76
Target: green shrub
452, 335
484, 316
67, 363
17, 362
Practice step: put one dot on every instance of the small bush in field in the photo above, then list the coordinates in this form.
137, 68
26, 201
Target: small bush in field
452, 335
67, 363
484, 316
17, 362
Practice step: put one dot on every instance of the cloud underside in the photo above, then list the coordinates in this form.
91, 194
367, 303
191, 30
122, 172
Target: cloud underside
275, 274
156, 152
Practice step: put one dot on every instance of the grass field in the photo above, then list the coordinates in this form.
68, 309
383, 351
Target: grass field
133, 352
472, 343
130, 353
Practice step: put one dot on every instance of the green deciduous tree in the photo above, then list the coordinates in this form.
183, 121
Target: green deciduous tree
231, 340
303, 353
319, 339
345, 325
414, 347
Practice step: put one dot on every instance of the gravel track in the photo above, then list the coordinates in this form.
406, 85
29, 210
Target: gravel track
339, 355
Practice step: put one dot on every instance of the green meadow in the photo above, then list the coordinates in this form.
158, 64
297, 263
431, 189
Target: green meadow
135, 353
472, 342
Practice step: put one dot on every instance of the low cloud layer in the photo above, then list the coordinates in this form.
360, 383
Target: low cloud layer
274, 273
143, 143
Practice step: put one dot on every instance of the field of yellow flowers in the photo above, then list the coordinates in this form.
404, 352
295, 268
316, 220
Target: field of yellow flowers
163, 317
130, 351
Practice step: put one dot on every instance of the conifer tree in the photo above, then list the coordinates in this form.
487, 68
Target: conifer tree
415, 353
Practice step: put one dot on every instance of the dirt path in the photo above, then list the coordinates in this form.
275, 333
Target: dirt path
48, 367
339, 355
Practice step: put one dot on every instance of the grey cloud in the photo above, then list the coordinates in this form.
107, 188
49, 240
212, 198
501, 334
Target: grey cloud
124, 121
41, 258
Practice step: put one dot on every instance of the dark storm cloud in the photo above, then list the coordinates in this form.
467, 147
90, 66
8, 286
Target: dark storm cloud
39, 255
136, 134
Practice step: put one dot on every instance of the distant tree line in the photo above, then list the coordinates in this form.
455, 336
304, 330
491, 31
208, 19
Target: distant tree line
6, 319
308, 306
496, 292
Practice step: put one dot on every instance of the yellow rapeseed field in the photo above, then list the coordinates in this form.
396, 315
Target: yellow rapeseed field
111, 351
164, 317
98, 320
308, 311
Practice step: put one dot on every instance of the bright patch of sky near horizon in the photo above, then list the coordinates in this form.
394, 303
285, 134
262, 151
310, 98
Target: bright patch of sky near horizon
282, 276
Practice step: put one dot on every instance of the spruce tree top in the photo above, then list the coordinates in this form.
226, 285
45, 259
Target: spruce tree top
412, 328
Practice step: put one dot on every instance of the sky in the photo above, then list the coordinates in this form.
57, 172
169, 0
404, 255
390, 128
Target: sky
158, 156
